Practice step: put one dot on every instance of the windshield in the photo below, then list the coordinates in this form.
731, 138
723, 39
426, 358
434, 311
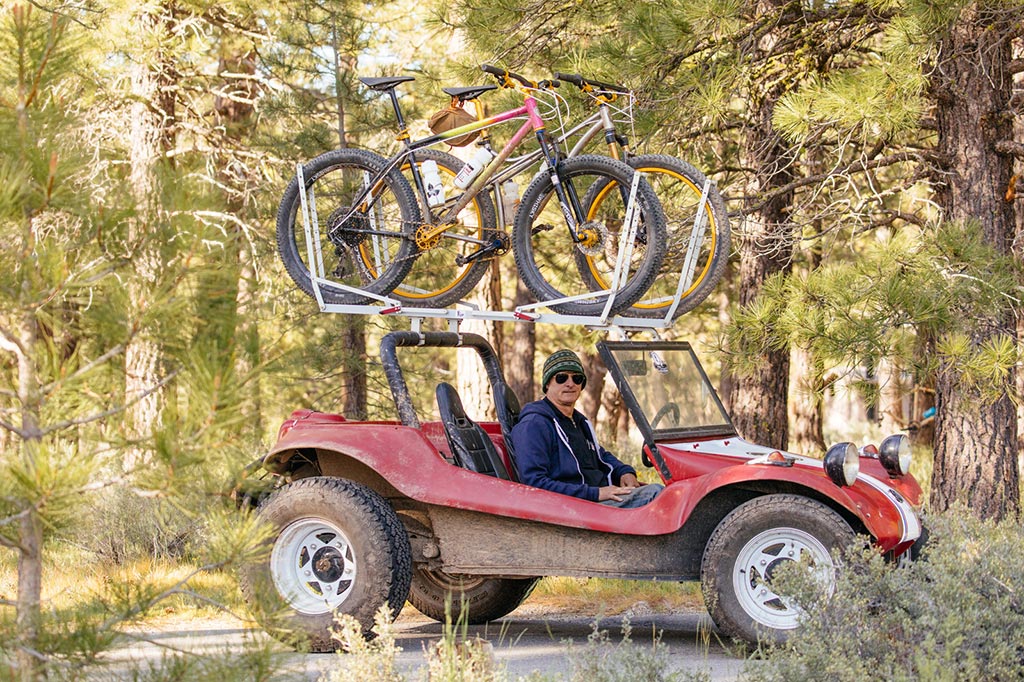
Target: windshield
668, 387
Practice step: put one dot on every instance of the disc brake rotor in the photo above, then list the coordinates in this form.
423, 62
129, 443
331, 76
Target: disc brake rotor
593, 238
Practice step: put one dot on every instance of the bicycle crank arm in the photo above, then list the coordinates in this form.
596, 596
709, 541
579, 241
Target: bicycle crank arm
497, 247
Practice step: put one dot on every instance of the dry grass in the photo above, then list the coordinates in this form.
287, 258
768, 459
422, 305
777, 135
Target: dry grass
589, 596
73, 578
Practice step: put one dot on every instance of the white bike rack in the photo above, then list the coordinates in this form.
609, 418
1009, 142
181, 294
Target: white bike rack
526, 313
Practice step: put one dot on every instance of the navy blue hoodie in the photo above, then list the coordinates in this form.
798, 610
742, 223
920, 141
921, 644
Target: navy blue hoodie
545, 460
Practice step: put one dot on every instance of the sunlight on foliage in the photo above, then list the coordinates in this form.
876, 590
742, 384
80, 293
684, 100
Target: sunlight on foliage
953, 615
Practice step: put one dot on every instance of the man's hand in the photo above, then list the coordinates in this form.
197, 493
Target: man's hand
629, 481
613, 492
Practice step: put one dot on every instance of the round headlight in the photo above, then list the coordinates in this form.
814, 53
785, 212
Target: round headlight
842, 463
895, 455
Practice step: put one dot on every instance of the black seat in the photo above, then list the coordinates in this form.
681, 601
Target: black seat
507, 405
470, 444
467, 93
385, 83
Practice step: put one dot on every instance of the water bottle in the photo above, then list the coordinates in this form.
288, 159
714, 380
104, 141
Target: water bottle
509, 199
481, 158
432, 180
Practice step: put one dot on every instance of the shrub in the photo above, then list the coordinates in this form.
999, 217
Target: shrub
956, 614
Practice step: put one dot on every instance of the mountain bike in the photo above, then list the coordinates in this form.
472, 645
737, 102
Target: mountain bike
377, 223
697, 247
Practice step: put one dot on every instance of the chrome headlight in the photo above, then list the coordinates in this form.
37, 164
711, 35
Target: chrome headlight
842, 463
895, 455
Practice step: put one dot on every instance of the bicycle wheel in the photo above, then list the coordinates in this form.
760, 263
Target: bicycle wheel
440, 277
367, 246
544, 247
704, 255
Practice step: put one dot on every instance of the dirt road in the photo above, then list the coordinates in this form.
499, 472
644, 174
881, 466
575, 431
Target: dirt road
525, 641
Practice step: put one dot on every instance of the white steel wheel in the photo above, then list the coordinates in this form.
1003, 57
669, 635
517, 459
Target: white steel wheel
757, 563
313, 566
336, 547
750, 545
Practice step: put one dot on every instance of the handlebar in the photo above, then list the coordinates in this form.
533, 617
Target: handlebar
582, 83
503, 76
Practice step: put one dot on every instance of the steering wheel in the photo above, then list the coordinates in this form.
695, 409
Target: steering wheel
663, 412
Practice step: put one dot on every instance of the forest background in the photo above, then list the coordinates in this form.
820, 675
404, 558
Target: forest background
150, 342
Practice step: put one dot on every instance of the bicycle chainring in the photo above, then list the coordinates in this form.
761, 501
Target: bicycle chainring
424, 241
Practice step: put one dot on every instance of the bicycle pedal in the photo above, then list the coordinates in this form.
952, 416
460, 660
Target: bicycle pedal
543, 227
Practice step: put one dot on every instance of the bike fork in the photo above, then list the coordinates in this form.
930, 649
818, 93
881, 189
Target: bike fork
568, 199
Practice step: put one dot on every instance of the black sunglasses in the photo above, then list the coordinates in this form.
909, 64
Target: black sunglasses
578, 379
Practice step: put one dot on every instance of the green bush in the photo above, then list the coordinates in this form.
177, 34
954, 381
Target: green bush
956, 614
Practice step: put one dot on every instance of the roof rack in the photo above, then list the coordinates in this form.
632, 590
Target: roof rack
387, 306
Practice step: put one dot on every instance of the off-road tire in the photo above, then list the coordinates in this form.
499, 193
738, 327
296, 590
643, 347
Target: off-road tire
544, 251
748, 544
291, 239
679, 187
372, 538
482, 599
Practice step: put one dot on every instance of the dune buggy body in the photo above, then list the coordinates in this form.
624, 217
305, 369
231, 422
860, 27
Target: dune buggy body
731, 513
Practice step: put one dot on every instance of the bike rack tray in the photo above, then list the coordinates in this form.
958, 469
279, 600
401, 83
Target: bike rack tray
528, 313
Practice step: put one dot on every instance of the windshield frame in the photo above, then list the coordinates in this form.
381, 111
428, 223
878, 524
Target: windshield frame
607, 349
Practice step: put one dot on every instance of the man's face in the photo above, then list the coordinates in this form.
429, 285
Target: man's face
563, 395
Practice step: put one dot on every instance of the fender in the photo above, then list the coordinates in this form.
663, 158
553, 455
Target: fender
885, 513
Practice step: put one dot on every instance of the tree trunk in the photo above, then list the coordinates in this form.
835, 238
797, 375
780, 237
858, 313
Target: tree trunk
590, 400
1018, 252
758, 400
806, 405
30, 527
352, 337
891, 393
148, 137
975, 439
807, 399
234, 108
520, 347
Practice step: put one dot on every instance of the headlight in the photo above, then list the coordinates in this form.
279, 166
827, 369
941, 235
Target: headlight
895, 455
842, 463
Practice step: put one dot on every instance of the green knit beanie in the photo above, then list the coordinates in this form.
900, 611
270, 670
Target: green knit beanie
560, 361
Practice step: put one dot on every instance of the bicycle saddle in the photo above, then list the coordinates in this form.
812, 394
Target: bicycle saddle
468, 93
385, 83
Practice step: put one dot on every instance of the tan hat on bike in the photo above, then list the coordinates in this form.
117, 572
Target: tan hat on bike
452, 117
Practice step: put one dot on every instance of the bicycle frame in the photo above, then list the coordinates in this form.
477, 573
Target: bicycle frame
570, 205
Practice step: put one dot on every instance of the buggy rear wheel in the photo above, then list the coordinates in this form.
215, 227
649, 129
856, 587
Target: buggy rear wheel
475, 598
338, 547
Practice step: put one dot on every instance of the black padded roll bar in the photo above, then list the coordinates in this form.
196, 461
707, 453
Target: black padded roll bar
400, 390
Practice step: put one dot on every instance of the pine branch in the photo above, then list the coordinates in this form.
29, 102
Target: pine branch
853, 167
68, 423
1011, 148
9, 342
54, 385
24, 435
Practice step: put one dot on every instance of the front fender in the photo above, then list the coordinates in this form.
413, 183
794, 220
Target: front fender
883, 512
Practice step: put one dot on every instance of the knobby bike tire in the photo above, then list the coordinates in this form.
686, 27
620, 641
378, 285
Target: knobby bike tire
436, 279
544, 250
374, 263
679, 187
